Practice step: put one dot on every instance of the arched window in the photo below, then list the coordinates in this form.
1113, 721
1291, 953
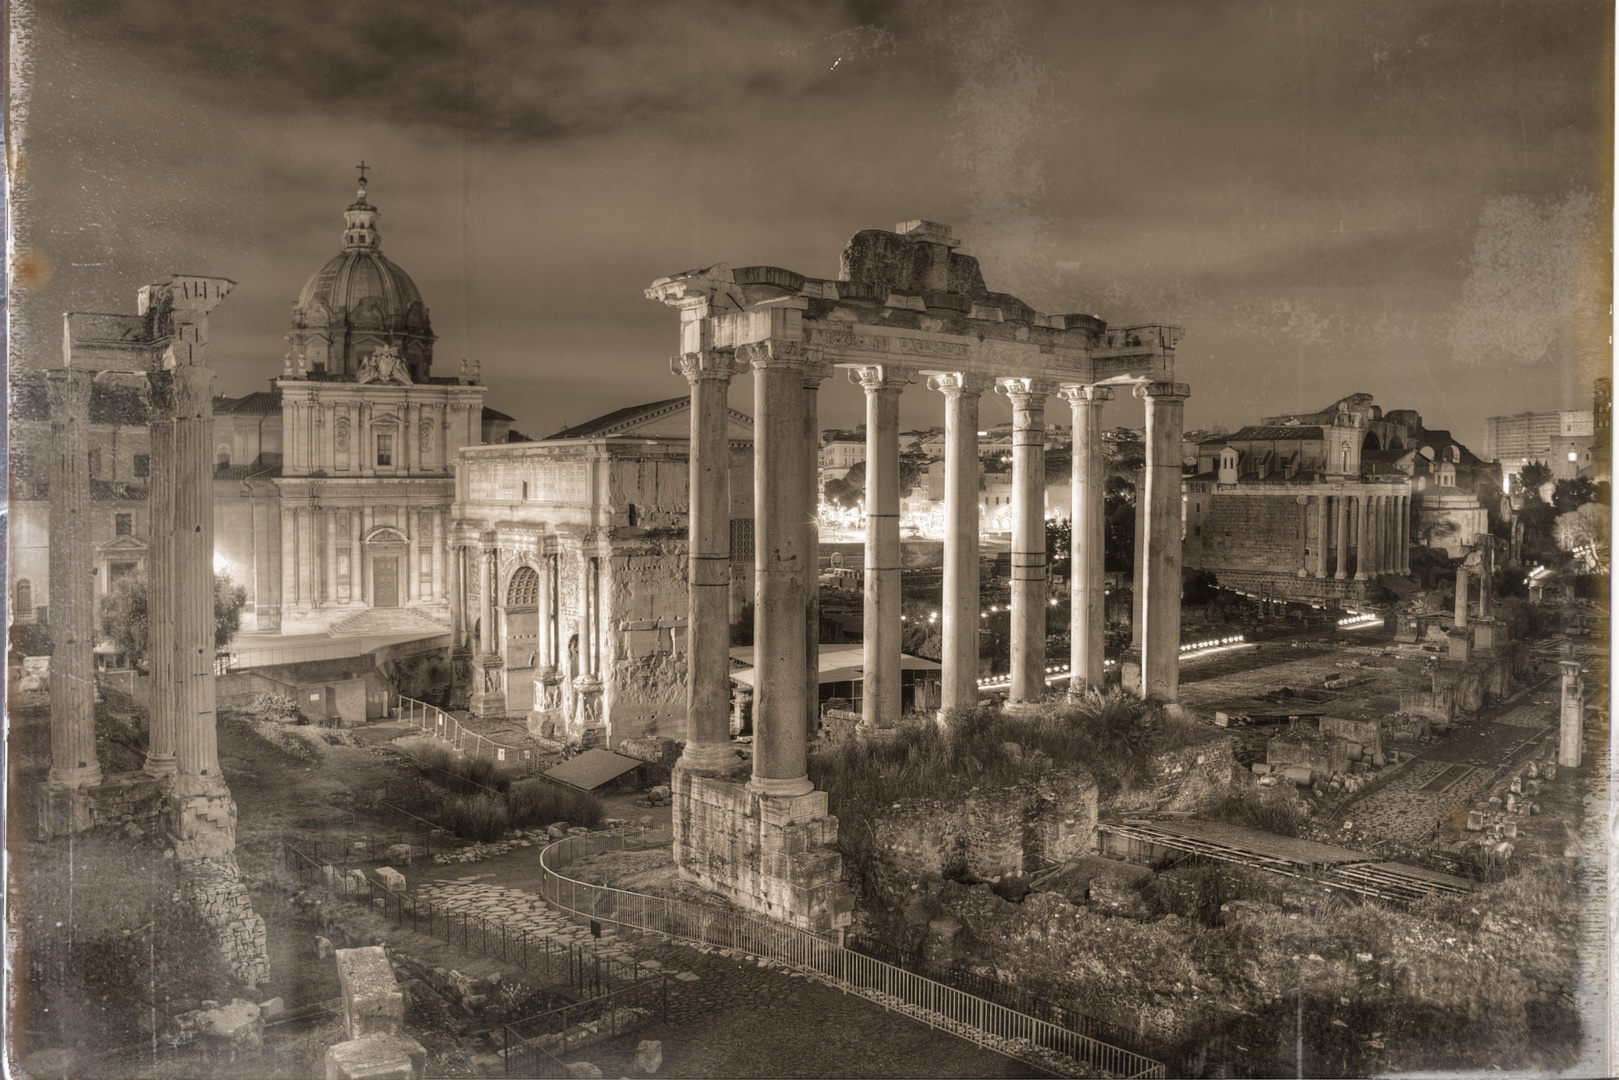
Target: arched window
524, 590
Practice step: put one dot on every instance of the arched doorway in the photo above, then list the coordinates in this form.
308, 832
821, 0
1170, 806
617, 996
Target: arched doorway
385, 551
520, 647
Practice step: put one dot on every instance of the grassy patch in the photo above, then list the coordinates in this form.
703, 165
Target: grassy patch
537, 802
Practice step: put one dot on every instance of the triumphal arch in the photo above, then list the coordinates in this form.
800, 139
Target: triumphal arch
907, 310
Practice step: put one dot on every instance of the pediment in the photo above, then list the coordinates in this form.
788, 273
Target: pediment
122, 545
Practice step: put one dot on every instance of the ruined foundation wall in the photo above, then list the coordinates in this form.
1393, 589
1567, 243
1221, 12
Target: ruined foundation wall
645, 693
215, 889
772, 856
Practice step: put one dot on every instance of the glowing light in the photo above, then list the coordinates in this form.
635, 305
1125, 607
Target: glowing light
221, 564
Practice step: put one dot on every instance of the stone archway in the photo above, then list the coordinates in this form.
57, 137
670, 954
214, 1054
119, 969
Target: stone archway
520, 636
385, 551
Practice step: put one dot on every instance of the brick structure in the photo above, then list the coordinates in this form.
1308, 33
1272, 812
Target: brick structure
215, 889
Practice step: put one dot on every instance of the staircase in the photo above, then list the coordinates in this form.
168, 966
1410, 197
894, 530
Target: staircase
379, 621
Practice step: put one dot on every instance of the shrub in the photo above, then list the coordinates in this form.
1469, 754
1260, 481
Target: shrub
483, 817
278, 707
538, 802
482, 771
1278, 810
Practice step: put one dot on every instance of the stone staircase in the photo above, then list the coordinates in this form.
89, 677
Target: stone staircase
378, 621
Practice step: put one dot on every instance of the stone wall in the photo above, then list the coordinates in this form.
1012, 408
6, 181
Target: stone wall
1286, 584
1324, 755
1192, 778
1264, 533
1368, 733
646, 608
773, 856
215, 889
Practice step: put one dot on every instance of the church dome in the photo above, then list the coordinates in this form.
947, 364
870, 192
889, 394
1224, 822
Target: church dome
357, 303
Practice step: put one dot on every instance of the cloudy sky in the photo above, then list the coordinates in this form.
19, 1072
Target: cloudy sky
1409, 199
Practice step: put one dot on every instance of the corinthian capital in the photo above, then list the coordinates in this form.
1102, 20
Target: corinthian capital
193, 390
1174, 391
1025, 393
69, 393
874, 378
719, 364
959, 383
1086, 395
775, 352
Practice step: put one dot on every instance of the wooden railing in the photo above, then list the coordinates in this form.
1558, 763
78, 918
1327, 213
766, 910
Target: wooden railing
989, 1025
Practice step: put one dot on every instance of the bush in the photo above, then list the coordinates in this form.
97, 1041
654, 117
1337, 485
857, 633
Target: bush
483, 818
534, 803
483, 772
278, 707
1278, 811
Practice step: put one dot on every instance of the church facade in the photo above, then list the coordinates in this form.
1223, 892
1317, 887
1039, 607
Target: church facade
332, 489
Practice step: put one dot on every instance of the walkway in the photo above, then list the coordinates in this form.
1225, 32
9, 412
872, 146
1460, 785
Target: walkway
736, 1016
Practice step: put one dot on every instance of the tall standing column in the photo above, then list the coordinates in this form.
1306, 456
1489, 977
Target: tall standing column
486, 603
1461, 597
814, 373
1161, 634
306, 556
1343, 536
1321, 528
959, 688
413, 554
1375, 534
708, 636
881, 703
780, 757
160, 760
330, 514
1028, 397
1405, 534
438, 555
73, 600
1087, 611
1361, 546
356, 560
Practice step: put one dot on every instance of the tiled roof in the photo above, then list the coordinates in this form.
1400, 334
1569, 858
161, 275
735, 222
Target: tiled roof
494, 414
1262, 432
259, 403
606, 425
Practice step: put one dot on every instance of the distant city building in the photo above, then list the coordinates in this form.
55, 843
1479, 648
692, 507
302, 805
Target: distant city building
1602, 428
1560, 440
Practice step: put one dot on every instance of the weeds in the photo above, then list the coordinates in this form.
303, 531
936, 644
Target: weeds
483, 817
539, 802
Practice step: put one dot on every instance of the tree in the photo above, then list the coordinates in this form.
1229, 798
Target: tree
1059, 538
1534, 474
125, 613
1573, 494
1119, 524
1584, 525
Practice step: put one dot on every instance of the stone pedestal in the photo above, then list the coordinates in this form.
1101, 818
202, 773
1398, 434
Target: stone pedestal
585, 728
70, 810
488, 696
546, 718
376, 1057
373, 1004
768, 854
1460, 641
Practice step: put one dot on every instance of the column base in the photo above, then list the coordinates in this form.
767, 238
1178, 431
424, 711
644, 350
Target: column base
709, 759
120, 797
73, 779
487, 704
875, 733
1021, 708
1130, 671
772, 788
770, 855
160, 768
200, 818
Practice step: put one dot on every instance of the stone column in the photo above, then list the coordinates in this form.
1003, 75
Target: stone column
881, 703
329, 441
780, 761
708, 580
438, 554
1161, 634
1322, 528
160, 761
1361, 546
1461, 597
307, 563
1087, 602
1342, 538
356, 559
413, 554
486, 606
814, 373
1379, 514
331, 554
73, 599
1571, 717
1028, 397
959, 632
1405, 534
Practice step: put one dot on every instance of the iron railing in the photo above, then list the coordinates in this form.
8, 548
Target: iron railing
435, 722
946, 1008
531, 1046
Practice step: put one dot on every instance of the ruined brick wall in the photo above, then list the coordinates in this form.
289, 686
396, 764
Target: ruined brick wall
1323, 755
215, 889
771, 856
1265, 533
1365, 732
993, 837
1192, 777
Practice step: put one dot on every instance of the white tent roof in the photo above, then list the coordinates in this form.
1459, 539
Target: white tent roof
839, 663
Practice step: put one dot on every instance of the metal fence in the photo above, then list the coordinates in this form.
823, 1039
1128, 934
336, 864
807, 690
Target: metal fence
435, 722
946, 1008
528, 1044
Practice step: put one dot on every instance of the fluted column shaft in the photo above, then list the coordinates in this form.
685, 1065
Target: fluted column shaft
1028, 397
1405, 534
73, 599
1160, 636
881, 700
708, 579
486, 605
1461, 597
959, 686
1342, 537
160, 569
780, 761
1362, 548
196, 738
1087, 611
814, 374
330, 555
438, 554
356, 560
1322, 530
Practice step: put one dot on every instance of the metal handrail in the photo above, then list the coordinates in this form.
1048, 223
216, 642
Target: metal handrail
434, 722
989, 1025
